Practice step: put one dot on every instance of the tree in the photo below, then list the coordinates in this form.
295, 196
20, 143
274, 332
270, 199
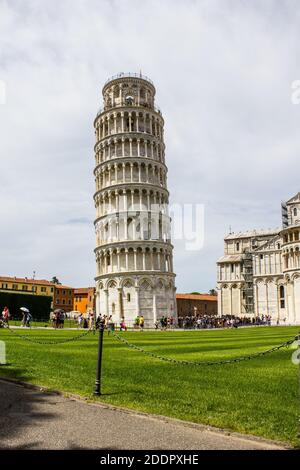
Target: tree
213, 292
54, 280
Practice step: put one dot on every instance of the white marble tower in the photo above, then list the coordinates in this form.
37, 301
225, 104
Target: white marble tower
133, 249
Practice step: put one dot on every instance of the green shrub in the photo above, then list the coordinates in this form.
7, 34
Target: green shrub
39, 306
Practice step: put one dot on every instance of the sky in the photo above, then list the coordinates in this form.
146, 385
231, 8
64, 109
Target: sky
223, 72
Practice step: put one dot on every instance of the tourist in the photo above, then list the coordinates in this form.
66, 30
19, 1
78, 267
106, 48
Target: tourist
137, 321
98, 322
61, 319
24, 319
79, 320
110, 325
56, 319
52, 319
142, 322
5, 315
91, 320
163, 323
28, 319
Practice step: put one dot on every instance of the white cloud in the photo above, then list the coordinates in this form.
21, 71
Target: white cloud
223, 72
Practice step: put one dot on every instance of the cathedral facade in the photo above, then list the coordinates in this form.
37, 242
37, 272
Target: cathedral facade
134, 254
259, 273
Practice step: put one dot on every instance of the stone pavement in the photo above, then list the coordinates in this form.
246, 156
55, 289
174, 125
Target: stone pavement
36, 419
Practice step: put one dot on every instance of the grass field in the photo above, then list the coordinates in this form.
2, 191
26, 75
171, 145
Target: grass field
259, 397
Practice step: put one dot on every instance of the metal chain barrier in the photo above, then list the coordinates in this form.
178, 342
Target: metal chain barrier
67, 340
204, 363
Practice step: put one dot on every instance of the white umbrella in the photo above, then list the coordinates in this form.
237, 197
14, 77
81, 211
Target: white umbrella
24, 309
58, 310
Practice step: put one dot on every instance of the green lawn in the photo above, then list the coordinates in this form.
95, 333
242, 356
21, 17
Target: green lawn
259, 397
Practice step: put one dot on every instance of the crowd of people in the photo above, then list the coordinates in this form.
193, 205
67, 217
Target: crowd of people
224, 321
164, 323
90, 321
57, 319
108, 323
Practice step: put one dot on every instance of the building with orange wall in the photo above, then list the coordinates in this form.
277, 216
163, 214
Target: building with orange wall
63, 297
84, 300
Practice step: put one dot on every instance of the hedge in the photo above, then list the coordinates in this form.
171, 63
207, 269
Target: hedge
38, 305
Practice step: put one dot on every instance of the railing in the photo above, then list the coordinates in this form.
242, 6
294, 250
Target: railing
124, 105
126, 131
129, 75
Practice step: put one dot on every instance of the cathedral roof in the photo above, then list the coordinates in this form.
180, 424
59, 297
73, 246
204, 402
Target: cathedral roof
293, 199
252, 233
230, 259
268, 244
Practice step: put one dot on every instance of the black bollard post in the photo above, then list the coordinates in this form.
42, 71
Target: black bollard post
99, 362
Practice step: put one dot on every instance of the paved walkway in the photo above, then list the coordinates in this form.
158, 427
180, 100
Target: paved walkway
36, 419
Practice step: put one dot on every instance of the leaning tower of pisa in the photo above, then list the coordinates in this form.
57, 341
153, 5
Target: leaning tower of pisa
133, 249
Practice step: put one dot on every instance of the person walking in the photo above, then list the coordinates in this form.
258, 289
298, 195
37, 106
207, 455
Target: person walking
137, 321
28, 319
110, 325
5, 315
56, 319
142, 323
24, 319
91, 320
61, 319
99, 320
79, 320
123, 326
